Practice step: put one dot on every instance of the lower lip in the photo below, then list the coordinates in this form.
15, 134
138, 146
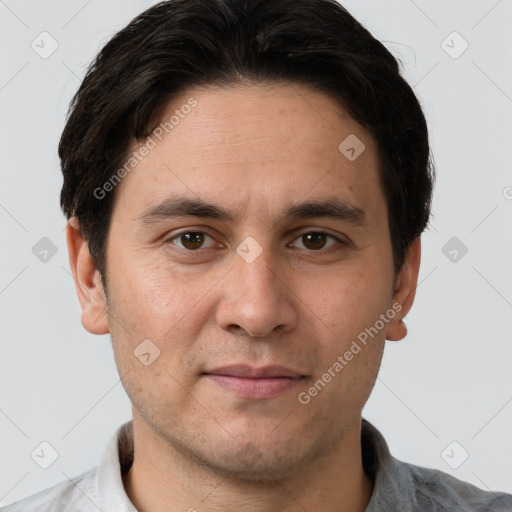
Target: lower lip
256, 388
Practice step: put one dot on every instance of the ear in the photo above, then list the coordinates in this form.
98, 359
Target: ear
87, 281
405, 290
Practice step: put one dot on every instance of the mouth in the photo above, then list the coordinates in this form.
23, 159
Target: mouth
255, 383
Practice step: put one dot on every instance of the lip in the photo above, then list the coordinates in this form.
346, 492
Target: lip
255, 383
251, 372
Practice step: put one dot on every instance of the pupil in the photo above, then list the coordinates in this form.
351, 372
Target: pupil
315, 240
192, 240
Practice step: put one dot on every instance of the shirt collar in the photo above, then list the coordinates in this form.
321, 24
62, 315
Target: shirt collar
116, 460
393, 486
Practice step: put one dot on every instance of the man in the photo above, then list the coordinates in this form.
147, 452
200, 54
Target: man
246, 183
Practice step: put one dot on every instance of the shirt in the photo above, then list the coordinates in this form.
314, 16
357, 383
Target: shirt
398, 486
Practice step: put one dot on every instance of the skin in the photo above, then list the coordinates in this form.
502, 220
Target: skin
253, 150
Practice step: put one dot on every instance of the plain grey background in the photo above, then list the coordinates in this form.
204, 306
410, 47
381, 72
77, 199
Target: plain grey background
443, 394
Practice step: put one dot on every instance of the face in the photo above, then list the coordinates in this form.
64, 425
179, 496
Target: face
247, 253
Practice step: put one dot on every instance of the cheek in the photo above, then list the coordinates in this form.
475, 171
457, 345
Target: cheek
350, 301
147, 319
352, 348
154, 302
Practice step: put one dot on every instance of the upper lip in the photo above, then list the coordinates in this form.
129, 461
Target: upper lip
251, 372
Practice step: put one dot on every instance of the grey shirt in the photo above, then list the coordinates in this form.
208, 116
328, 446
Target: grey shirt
398, 486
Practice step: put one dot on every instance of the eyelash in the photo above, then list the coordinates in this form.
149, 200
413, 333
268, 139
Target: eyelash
189, 251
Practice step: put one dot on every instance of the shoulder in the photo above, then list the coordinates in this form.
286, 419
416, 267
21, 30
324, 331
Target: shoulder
406, 487
435, 490
78, 495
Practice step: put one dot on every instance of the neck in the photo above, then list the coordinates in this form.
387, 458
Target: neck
162, 479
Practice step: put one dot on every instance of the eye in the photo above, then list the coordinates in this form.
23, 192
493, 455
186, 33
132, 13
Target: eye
195, 240
316, 240
191, 240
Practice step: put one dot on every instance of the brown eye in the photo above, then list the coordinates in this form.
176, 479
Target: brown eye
316, 240
191, 240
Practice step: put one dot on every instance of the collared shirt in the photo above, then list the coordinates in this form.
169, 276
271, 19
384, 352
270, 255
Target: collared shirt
398, 486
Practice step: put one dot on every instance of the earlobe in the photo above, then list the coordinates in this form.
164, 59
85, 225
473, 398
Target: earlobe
87, 281
405, 291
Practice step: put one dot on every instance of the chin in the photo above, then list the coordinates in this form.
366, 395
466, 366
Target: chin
256, 460
264, 470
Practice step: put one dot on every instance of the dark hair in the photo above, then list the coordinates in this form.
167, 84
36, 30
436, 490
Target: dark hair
178, 44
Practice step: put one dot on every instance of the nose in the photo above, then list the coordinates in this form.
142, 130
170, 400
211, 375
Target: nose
256, 299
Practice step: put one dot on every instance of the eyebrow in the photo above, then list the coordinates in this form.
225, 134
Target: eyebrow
332, 207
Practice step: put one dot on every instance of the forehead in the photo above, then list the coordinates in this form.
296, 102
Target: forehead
253, 144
